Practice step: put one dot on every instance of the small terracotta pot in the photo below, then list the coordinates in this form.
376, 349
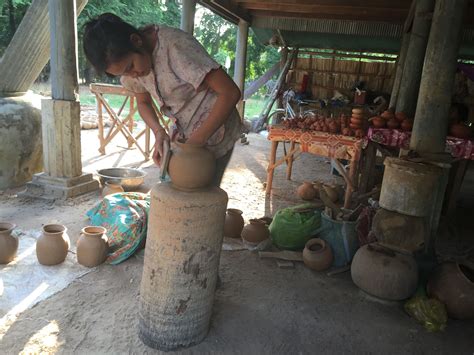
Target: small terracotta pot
191, 166
8, 243
393, 123
378, 122
234, 223
92, 246
387, 115
256, 231
357, 121
111, 188
460, 130
317, 254
401, 116
453, 285
306, 191
407, 125
52, 246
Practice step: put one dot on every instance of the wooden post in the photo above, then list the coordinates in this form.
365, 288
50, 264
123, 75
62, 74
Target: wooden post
283, 59
240, 61
29, 49
413, 66
434, 101
187, 16
399, 70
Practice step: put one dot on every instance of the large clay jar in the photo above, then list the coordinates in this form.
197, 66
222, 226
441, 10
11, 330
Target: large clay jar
111, 188
256, 231
92, 247
306, 191
52, 246
384, 273
317, 254
8, 243
453, 285
191, 166
234, 223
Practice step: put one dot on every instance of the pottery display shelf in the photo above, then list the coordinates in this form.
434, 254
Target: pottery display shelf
333, 146
460, 149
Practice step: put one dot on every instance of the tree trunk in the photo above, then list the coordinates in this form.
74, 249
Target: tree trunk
11, 14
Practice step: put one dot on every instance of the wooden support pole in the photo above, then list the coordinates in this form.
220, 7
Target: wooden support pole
413, 66
240, 60
187, 16
434, 100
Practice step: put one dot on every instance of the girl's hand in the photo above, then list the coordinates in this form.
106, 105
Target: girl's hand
160, 137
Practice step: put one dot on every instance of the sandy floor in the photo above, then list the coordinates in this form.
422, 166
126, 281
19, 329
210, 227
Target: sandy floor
259, 308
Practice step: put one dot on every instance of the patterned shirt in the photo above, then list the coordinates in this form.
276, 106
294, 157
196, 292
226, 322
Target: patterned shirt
176, 82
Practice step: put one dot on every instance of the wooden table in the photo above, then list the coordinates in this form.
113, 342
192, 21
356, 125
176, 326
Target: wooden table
332, 146
119, 125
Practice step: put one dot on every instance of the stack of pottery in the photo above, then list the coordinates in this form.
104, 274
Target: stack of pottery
234, 223
8, 243
453, 285
390, 119
191, 167
358, 122
384, 273
111, 188
317, 254
92, 246
255, 232
53, 245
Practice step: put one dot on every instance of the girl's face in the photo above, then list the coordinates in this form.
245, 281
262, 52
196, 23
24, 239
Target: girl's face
133, 65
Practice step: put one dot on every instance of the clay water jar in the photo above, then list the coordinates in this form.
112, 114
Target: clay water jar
384, 273
234, 223
191, 166
378, 122
317, 254
52, 246
8, 243
306, 191
453, 285
407, 125
256, 231
92, 246
111, 188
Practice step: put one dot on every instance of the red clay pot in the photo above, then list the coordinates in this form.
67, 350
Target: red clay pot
460, 130
317, 254
234, 223
256, 231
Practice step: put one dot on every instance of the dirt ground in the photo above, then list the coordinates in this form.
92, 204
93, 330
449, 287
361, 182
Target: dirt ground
259, 309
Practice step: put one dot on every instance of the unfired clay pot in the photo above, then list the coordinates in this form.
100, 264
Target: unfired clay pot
234, 223
384, 273
8, 243
52, 246
306, 191
453, 285
92, 247
191, 167
317, 254
256, 231
111, 188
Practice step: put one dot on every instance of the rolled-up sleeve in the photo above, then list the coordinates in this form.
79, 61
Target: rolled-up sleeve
189, 60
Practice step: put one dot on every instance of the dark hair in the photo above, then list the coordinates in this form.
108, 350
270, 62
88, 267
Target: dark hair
106, 40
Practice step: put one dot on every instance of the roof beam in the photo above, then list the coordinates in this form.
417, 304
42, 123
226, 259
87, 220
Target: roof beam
231, 8
368, 17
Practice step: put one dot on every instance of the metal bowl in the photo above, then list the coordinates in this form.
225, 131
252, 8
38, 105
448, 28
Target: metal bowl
129, 178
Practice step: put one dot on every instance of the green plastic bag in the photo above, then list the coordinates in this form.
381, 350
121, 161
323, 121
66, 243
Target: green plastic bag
428, 311
292, 227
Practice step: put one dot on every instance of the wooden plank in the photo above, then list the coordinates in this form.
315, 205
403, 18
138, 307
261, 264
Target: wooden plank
110, 89
233, 9
356, 55
283, 255
401, 4
376, 17
257, 84
342, 72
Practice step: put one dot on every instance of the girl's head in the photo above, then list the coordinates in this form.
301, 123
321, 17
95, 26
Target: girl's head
115, 47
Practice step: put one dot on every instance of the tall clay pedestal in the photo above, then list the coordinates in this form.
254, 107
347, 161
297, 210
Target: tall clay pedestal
184, 240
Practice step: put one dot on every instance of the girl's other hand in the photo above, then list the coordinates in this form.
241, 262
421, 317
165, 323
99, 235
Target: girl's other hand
160, 137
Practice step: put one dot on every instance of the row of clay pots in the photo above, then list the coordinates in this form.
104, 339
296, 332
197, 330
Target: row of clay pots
256, 231
309, 191
53, 245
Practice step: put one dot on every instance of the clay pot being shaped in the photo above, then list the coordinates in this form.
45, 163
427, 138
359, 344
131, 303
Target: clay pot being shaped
407, 125
111, 188
92, 246
8, 243
191, 166
52, 246
256, 231
460, 130
317, 254
384, 273
234, 223
453, 285
306, 191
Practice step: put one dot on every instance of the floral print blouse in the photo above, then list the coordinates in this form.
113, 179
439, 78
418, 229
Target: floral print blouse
179, 66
